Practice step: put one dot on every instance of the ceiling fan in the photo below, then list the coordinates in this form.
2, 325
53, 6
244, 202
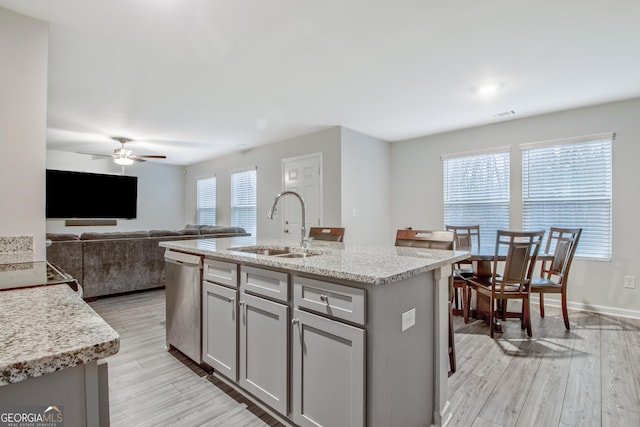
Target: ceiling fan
124, 157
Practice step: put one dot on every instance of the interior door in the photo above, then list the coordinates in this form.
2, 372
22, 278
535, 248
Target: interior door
304, 176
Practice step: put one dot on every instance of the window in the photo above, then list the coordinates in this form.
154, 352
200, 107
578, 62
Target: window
206, 200
243, 200
568, 184
476, 191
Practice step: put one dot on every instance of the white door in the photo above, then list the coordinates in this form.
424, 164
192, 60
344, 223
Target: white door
304, 176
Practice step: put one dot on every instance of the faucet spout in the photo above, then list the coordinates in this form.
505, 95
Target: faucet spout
273, 212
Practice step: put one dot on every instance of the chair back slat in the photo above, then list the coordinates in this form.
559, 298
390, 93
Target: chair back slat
563, 242
333, 234
466, 236
521, 254
425, 239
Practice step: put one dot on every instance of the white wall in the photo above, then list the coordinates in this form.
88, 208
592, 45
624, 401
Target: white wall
366, 189
160, 192
23, 107
268, 159
417, 189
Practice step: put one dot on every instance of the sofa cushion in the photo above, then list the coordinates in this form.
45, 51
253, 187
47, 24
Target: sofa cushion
114, 235
61, 237
220, 229
161, 233
189, 231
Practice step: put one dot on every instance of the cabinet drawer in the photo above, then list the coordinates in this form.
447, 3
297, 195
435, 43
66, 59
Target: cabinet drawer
272, 284
224, 273
331, 299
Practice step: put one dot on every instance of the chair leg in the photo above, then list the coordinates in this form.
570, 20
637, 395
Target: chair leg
452, 344
541, 304
465, 304
491, 316
565, 313
469, 300
527, 316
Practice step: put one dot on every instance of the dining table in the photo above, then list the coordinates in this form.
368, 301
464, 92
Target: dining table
482, 259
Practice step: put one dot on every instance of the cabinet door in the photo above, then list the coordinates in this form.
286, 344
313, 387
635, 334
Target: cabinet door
328, 372
264, 327
219, 334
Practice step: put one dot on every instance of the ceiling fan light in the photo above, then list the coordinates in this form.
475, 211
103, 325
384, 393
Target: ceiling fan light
124, 161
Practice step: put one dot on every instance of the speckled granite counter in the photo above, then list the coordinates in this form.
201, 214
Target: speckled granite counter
373, 265
48, 329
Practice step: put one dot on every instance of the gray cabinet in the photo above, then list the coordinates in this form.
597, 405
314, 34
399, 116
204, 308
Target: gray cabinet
219, 329
264, 350
328, 372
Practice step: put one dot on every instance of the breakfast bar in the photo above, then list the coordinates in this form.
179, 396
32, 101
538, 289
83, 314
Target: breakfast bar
332, 334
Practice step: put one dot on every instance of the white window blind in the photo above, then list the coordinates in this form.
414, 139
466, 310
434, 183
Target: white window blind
476, 191
569, 185
243, 200
206, 201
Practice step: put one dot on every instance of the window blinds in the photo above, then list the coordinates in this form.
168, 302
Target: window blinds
243, 200
206, 201
476, 191
568, 184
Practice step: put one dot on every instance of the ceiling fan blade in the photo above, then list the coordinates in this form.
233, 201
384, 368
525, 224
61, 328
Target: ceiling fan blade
98, 156
143, 156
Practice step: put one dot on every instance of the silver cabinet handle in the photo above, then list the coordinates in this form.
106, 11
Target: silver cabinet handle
295, 321
232, 299
241, 302
324, 298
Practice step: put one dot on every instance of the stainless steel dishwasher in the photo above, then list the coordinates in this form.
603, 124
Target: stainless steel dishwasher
182, 280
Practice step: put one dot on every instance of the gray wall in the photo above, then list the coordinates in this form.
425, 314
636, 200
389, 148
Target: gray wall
416, 194
366, 189
268, 160
23, 107
160, 192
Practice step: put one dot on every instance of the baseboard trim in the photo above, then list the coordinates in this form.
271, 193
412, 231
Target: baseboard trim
599, 309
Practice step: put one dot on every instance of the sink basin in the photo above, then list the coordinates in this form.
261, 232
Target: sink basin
284, 252
296, 255
263, 251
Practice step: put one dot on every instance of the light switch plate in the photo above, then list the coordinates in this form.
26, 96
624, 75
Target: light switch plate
408, 319
630, 282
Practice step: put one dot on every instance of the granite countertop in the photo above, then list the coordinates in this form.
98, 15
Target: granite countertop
373, 265
49, 328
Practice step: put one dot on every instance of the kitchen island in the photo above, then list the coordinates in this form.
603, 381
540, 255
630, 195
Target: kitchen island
332, 335
52, 343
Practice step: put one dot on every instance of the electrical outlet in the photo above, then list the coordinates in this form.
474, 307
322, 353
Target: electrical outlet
408, 319
630, 282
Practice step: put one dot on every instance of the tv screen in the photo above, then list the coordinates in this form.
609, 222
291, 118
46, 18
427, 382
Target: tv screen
90, 195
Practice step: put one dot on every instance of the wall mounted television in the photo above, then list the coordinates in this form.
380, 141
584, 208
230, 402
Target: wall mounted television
90, 195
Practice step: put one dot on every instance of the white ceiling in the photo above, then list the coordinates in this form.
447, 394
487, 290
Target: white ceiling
196, 79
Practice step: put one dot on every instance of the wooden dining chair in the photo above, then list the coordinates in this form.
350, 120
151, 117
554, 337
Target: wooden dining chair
467, 237
433, 240
521, 249
333, 234
554, 273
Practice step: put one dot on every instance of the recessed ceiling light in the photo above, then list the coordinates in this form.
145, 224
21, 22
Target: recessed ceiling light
487, 89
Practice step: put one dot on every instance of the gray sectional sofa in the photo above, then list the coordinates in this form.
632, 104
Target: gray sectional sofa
111, 263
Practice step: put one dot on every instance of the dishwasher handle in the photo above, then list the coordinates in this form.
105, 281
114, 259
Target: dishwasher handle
180, 258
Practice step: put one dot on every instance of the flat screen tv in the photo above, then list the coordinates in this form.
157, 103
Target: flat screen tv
90, 195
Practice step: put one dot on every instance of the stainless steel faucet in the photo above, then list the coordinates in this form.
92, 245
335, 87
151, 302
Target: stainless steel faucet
273, 212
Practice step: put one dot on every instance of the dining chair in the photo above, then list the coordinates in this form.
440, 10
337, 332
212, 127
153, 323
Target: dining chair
521, 249
554, 273
466, 238
434, 240
333, 234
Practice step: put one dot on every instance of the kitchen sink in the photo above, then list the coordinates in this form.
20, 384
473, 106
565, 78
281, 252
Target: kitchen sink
284, 252
263, 251
296, 255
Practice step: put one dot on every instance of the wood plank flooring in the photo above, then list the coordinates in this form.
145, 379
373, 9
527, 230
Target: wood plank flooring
588, 376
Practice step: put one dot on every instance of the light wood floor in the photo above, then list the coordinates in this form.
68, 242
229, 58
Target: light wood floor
589, 376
